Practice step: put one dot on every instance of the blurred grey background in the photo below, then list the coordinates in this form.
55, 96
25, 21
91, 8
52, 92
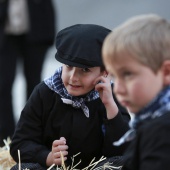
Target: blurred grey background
108, 13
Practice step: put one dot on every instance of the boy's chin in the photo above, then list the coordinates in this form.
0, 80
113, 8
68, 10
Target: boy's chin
76, 94
133, 111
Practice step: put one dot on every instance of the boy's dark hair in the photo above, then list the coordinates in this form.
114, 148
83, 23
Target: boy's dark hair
80, 45
102, 68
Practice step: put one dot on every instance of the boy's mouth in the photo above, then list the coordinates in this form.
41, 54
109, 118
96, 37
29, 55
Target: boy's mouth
124, 103
74, 86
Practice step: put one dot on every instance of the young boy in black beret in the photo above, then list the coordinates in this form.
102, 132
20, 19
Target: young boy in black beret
74, 110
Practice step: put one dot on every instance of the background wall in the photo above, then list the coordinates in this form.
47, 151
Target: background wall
108, 13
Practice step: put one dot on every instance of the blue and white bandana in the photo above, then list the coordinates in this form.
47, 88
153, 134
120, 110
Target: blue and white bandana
158, 107
55, 83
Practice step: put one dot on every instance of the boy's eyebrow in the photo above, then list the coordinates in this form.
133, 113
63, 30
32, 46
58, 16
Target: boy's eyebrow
120, 69
110, 75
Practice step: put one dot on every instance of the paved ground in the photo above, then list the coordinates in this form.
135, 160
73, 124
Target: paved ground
108, 13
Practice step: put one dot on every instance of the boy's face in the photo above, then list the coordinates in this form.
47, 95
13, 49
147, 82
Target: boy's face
135, 85
79, 81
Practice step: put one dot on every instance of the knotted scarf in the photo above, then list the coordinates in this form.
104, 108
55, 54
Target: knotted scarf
55, 83
156, 108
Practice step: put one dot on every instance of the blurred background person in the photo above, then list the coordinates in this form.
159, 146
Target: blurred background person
27, 30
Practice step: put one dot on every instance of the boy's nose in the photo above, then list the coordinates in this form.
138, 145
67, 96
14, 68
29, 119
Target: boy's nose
118, 87
73, 75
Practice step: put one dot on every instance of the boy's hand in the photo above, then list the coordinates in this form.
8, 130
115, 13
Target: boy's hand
105, 92
104, 88
54, 157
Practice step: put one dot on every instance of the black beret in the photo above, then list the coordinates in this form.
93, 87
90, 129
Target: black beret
80, 45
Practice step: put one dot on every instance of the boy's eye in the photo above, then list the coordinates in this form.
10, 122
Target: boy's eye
68, 66
86, 69
127, 74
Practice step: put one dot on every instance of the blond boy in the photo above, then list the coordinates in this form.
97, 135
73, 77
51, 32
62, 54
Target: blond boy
137, 55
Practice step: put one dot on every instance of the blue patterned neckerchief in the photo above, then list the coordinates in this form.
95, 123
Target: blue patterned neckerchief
55, 83
158, 107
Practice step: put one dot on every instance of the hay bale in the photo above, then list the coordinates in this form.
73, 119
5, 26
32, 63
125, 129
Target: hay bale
6, 161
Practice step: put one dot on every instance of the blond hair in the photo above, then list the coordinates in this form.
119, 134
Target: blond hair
146, 38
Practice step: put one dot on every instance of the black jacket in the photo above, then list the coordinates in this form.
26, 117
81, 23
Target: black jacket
46, 118
151, 148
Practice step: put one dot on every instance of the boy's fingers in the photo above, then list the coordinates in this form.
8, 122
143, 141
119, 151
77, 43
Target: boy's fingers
58, 154
58, 161
62, 147
58, 142
62, 138
101, 79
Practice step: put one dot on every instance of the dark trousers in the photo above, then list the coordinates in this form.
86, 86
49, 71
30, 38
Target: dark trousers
31, 55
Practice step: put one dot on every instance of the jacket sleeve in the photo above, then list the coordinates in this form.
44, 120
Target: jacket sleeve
29, 132
114, 130
153, 146
150, 148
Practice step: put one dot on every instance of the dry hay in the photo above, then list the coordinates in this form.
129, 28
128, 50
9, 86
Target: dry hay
6, 161
91, 166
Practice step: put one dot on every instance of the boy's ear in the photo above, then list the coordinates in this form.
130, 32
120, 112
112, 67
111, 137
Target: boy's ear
105, 73
166, 72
